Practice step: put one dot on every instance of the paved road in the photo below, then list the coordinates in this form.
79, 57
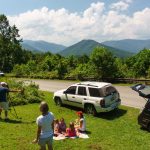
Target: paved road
128, 96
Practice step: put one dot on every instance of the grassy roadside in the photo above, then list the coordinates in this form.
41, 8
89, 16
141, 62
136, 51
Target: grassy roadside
116, 130
71, 81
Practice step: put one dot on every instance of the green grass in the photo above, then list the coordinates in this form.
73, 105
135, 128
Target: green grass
123, 84
116, 130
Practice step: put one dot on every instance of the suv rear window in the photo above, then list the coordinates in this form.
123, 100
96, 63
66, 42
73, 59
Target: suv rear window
94, 92
71, 90
110, 90
82, 91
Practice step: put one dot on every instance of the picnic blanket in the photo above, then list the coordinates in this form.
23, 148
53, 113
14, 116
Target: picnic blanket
62, 137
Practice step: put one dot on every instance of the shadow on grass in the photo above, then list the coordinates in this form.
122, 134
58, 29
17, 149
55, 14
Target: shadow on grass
144, 129
114, 114
17, 121
11, 121
28, 122
88, 132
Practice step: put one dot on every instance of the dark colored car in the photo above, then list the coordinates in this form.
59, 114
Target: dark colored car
144, 116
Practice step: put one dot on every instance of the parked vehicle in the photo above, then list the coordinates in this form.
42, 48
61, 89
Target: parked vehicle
144, 116
93, 97
1, 74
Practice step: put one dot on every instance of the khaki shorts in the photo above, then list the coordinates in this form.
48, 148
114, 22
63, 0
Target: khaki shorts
45, 141
4, 105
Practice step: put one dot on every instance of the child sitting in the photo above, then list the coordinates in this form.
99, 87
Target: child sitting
82, 124
56, 127
71, 132
62, 126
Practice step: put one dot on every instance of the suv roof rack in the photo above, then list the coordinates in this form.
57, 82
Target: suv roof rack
87, 84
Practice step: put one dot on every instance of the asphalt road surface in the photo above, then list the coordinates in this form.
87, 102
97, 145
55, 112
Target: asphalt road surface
128, 96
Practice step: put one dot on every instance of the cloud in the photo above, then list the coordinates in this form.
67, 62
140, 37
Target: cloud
63, 27
121, 5
128, 1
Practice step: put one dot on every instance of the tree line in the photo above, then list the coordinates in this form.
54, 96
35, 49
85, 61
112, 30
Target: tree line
100, 64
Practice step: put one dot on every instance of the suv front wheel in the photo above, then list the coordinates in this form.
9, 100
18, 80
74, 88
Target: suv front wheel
90, 109
58, 101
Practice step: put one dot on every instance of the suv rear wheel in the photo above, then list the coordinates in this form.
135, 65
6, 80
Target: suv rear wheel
58, 101
90, 109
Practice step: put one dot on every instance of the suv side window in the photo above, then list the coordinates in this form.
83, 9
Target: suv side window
71, 90
94, 92
82, 91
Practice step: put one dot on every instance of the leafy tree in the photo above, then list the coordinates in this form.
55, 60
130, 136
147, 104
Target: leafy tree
82, 71
142, 63
83, 59
10, 50
148, 73
31, 66
103, 61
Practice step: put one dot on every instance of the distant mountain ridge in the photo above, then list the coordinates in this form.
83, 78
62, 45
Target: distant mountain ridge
42, 46
131, 45
87, 46
120, 48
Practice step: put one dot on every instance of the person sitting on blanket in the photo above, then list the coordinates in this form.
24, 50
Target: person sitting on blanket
81, 127
56, 127
71, 132
62, 126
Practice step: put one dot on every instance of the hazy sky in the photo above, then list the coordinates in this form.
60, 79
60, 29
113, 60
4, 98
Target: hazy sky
69, 21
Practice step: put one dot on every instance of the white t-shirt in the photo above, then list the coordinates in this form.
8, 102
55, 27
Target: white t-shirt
83, 128
46, 124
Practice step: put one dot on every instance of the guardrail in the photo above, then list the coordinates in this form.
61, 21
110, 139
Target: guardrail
111, 80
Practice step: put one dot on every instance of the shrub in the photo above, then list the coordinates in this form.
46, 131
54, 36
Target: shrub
30, 93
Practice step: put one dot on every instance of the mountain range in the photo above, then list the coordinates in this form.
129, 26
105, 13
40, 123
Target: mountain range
120, 48
132, 45
86, 47
42, 46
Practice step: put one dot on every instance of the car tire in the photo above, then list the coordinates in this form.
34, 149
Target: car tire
58, 101
90, 109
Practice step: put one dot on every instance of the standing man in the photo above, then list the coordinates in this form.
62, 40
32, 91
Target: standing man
4, 105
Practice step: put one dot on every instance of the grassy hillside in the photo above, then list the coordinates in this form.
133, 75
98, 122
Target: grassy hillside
86, 47
117, 130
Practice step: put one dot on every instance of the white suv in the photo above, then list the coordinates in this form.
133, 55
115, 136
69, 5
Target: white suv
93, 97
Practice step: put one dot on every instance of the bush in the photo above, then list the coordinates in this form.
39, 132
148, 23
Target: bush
30, 93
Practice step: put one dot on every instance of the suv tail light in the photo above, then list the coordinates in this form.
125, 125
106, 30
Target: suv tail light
102, 103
